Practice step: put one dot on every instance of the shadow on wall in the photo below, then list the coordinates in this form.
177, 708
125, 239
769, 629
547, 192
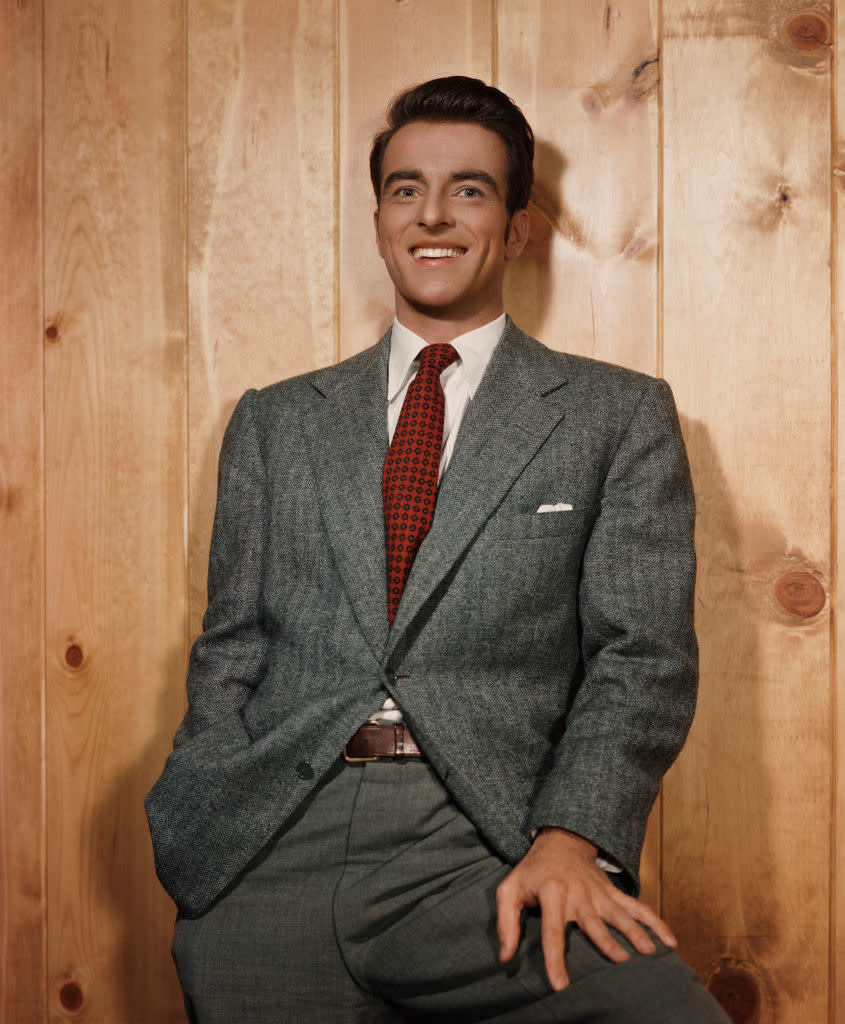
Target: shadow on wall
528, 285
719, 874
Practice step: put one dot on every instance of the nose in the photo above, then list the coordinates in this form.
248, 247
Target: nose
435, 211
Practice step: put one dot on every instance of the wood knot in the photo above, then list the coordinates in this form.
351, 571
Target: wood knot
738, 993
779, 199
52, 332
635, 247
645, 78
800, 593
70, 996
74, 656
807, 31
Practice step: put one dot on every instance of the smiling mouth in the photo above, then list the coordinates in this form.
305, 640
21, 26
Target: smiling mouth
436, 254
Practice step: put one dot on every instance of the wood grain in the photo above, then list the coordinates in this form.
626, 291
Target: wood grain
586, 75
747, 348
22, 896
384, 47
261, 219
114, 234
837, 959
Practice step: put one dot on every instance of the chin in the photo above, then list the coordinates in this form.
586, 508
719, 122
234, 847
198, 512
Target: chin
440, 310
447, 303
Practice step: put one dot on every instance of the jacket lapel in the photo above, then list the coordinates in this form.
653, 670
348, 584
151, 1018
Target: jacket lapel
517, 405
347, 433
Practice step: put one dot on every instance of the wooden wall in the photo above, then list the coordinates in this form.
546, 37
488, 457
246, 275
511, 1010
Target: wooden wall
184, 212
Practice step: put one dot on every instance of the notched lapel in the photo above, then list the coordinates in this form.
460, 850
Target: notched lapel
518, 404
347, 434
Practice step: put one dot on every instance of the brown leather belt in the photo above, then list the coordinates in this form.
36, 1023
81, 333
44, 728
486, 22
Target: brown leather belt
374, 741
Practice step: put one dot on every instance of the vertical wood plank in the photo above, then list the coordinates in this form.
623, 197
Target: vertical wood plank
115, 484
261, 222
747, 347
586, 75
22, 906
837, 1000
384, 47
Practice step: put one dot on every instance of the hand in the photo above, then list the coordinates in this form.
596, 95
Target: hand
559, 875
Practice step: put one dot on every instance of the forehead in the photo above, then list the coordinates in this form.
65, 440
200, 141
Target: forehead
443, 148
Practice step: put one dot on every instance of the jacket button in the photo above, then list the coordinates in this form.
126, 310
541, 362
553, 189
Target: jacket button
304, 771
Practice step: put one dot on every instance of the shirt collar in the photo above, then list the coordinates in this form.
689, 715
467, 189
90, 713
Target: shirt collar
475, 349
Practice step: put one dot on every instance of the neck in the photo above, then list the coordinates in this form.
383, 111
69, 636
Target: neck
436, 330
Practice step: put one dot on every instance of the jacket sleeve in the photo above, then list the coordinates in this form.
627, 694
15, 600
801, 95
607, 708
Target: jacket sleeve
635, 704
228, 659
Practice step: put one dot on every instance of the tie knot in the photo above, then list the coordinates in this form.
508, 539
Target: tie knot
435, 358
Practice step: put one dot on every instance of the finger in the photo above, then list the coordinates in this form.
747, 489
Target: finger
552, 932
508, 920
643, 913
594, 927
632, 930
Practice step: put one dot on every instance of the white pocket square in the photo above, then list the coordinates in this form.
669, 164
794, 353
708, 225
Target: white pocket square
561, 506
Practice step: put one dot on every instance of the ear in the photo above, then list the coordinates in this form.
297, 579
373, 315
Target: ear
375, 225
517, 235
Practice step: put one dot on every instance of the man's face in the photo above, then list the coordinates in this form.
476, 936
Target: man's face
441, 225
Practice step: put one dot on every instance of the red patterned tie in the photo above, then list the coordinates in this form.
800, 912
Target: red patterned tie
409, 481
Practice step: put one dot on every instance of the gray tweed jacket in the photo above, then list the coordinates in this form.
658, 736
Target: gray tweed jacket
545, 661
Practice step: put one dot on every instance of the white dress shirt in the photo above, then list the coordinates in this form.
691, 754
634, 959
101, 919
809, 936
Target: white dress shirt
459, 380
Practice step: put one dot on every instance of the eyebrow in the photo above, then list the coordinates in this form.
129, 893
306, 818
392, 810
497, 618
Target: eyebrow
470, 174
401, 175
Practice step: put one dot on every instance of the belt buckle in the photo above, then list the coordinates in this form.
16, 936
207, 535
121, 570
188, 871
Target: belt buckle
362, 760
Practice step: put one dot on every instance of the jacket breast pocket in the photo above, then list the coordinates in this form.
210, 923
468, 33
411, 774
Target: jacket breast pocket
551, 524
527, 525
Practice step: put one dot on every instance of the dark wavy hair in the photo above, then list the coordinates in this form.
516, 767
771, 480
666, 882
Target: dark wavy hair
457, 99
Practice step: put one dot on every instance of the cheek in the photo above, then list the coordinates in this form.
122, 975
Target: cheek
494, 253
390, 246
385, 233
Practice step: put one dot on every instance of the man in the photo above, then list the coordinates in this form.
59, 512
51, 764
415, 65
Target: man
438, 682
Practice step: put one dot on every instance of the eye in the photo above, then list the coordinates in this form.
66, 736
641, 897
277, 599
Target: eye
406, 192
470, 192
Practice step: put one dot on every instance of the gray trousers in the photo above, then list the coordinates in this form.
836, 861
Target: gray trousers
377, 904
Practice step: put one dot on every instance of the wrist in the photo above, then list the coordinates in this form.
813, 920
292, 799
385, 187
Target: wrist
564, 838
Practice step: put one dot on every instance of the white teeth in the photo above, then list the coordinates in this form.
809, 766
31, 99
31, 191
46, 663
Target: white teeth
427, 254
